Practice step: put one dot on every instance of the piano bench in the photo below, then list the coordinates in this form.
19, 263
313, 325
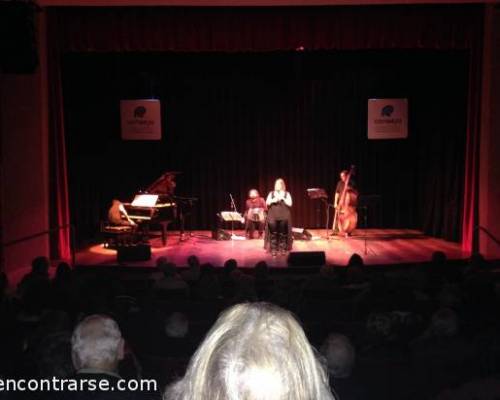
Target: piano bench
115, 235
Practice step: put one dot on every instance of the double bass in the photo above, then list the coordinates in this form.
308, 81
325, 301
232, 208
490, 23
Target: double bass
346, 217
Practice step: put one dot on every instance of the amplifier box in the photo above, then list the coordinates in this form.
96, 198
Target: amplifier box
139, 252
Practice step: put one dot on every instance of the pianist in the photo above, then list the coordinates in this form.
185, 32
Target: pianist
117, 215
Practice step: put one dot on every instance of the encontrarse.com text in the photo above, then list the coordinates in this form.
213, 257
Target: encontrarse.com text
76, 385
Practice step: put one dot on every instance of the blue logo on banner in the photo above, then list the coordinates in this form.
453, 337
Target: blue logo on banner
139, 112
387, 111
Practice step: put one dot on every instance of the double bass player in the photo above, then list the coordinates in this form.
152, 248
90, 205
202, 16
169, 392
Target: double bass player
345, 201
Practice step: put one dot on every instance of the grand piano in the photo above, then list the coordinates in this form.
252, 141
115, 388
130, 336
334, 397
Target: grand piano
158, 206
149, 211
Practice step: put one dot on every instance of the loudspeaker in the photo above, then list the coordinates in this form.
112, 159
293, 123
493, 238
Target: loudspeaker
139, 252
221, 234
306, 259
301, 234
18, 47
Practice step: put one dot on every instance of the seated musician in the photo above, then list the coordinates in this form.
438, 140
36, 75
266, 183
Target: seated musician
255, 209
340, 186
345, 219
117, 215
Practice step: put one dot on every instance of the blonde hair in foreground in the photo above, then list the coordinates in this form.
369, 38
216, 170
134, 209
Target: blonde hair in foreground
255, 351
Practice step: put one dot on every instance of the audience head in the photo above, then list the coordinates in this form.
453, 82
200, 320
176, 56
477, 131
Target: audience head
380, 325
63, 271
97, 343
169, 269
193, 262
477, 261
207, 269
54, 356
444, 323
340, 355
255, 351
261, 270
176, 325
355, 261
230, 265
40, 266
161, 261
439, 258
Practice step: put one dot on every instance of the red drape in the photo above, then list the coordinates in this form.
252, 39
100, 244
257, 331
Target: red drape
470, 218
60, 245
266, 29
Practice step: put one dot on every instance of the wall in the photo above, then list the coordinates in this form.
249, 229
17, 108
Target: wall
489, 192
24, 161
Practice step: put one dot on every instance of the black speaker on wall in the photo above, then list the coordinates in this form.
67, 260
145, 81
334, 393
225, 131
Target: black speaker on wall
306, 259
18, 47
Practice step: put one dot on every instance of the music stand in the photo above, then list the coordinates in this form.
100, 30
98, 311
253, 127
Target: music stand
320, 193
231, 216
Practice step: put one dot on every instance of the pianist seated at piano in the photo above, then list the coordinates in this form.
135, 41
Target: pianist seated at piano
118, 216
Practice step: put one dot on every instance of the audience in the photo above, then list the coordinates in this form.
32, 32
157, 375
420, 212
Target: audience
171, 281
254, 351
425, 331
192, 275
97, 347
340, 356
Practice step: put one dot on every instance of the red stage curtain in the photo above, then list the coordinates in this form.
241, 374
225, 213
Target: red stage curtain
267, 29
470, 214
271, 29
60, 245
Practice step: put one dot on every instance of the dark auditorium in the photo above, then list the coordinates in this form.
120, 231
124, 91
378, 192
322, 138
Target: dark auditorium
250, 199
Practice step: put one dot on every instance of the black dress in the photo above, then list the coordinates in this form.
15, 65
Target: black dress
278, 217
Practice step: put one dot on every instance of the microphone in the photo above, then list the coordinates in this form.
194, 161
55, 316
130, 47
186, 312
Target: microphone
232, 202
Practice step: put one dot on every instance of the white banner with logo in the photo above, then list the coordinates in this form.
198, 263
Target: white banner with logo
387, 118
140, 119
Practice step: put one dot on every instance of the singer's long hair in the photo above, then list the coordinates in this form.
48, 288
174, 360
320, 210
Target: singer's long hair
281, 182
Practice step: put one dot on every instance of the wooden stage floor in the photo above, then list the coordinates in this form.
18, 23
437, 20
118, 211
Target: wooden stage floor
376, 246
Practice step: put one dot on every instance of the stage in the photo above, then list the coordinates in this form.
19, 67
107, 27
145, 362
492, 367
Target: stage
376, 246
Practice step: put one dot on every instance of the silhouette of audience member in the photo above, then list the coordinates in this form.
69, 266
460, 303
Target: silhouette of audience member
63, 288
255, 351
171, 281
97, 347
54, 356
340, 356
97, 350
176, 325
34, 288
264, 285
442, 356
192, 275
209, 287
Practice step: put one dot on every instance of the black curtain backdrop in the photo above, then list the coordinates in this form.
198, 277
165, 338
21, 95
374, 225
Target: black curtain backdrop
236, 121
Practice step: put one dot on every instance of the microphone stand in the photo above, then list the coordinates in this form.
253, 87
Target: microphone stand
233, 208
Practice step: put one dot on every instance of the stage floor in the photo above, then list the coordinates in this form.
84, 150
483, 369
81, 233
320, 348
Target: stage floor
376, 246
